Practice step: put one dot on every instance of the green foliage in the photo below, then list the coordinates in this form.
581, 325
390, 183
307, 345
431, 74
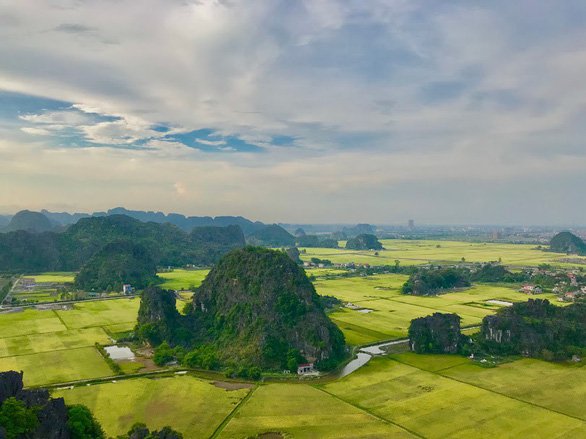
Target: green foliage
158, 318
17, 420
82, 424
316, 241
163, 354
364, 241
566, 242
496, 273
435, 334
204, 357
427, 282
294, 358
166, 244
272, 236
141, 431
252, 309
113, 365
118, 263
535, 328
325, 262
244, 371
30, 221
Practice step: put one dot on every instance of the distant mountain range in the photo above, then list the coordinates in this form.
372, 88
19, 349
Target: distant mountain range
44, 221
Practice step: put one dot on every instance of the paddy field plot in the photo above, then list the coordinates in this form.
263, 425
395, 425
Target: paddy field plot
557, 386
52, 341
53, 277
190, 405
416, 252
100, 313
53, 346
58, 366
435, 406
28, 322
392, 311
180, 279
301, 411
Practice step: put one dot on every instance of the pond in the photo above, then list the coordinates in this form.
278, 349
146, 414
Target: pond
119, 352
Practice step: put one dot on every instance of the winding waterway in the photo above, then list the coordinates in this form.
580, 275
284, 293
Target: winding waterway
365, 354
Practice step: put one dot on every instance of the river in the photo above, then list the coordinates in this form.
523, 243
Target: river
365, 354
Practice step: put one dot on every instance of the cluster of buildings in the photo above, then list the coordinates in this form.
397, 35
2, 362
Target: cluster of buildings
531, 289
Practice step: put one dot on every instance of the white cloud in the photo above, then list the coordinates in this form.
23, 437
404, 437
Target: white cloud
211, 142
36, 131
376, 94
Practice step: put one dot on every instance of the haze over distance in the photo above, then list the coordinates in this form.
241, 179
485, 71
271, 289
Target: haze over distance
297, 112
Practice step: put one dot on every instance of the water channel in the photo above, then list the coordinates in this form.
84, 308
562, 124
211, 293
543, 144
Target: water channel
365, 354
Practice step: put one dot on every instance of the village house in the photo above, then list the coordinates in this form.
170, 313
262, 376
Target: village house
531, 289
127, 289
305, 368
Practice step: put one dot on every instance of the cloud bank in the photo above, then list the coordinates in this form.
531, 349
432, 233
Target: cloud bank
322, 111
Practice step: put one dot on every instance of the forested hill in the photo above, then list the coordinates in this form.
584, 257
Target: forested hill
29, 221
165, 243
566, 242
272, 236
186, 223
256, 307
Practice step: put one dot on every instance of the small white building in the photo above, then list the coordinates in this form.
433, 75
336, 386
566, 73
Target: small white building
127, 289
305, 368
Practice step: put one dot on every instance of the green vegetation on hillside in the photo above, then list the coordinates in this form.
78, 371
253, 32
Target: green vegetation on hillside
34, 222
566, 242
429, 282
436, 334
271, 236
364, 242
118, 263
536, 328
166, 244
255, 308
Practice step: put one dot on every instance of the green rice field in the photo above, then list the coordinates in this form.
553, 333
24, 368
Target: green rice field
403, 395
180, 279
193, 406
392, 311
53, 277
58, 366
302, 411
57, 345
432, 404
416, 252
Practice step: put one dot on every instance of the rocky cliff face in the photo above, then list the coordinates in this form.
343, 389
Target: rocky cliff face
258, 305
52, 414
529, 328
438, 333
255, 308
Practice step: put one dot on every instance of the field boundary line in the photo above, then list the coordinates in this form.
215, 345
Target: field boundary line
61, 320
367, 411
489, 390
230, 415
46, 352
51, 332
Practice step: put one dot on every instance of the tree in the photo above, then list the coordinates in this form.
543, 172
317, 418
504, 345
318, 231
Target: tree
17, 419
163, 354
141, 431
82, 424
438, 333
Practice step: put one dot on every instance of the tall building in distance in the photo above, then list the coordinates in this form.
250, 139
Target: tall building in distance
411, 224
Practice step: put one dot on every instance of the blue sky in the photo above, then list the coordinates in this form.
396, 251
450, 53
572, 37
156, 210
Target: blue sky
308, 111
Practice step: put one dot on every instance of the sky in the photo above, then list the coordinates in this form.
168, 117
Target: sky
317, 111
